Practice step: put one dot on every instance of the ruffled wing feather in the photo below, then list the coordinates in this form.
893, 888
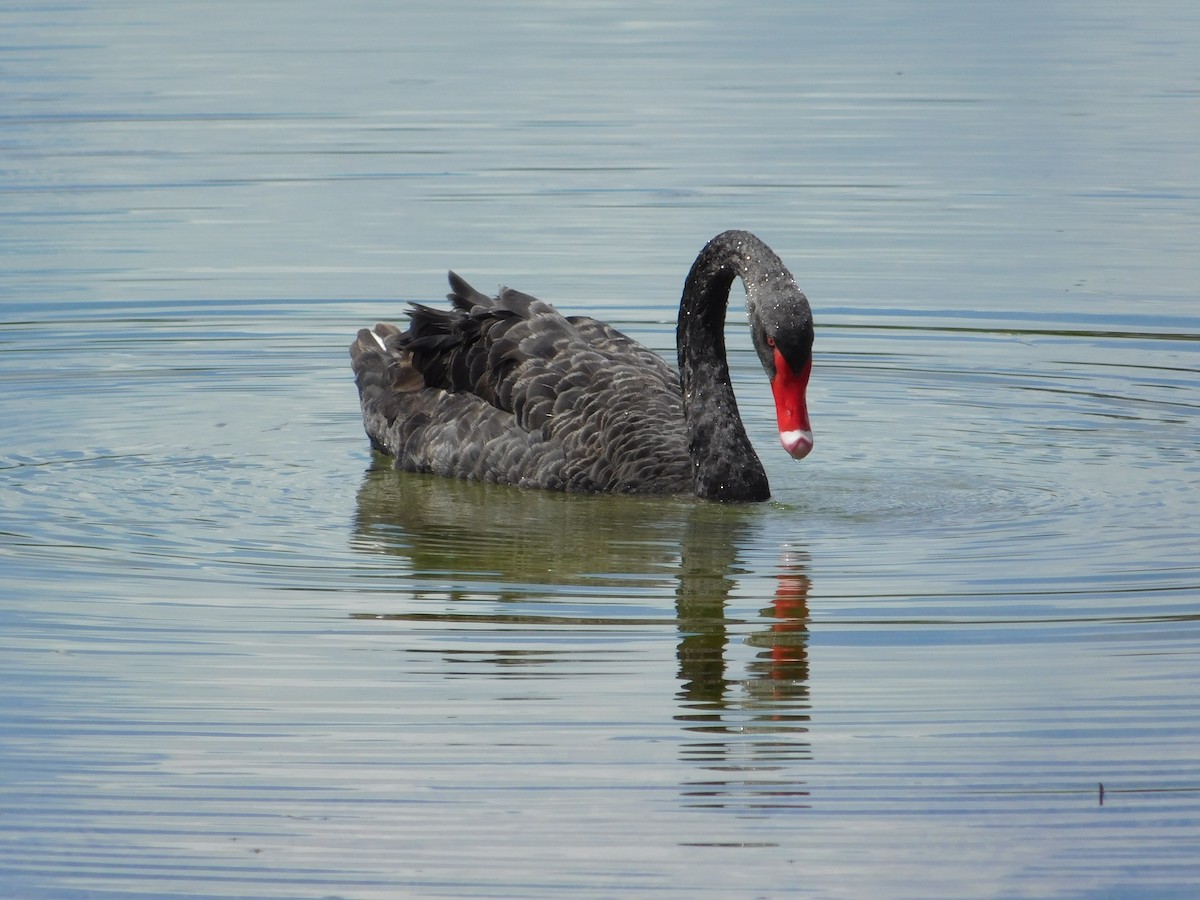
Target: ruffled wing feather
506, 389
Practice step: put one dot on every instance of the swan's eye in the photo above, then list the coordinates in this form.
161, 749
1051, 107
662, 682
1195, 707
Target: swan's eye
770, 341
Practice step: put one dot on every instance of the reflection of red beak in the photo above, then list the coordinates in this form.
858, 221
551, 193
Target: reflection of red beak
791, 407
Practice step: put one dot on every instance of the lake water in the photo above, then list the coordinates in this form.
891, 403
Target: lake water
241, 658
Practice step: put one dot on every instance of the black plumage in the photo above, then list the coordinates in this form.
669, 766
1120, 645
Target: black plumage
505, 389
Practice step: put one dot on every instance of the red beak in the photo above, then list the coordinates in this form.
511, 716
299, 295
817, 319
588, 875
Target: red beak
791, 407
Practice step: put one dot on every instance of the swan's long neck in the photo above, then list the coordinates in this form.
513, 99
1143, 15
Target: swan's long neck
724, 464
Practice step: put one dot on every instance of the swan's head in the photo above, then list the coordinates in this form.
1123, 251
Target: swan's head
781, 326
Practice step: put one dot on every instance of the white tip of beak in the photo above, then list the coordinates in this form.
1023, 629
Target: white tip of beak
797, 443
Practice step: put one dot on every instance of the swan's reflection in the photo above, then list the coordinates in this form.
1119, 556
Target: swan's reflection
743, 700
747, 728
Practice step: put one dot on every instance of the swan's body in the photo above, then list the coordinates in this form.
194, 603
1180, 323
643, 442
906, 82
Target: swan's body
507, 390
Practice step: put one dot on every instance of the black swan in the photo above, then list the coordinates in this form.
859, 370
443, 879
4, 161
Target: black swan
508, 390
